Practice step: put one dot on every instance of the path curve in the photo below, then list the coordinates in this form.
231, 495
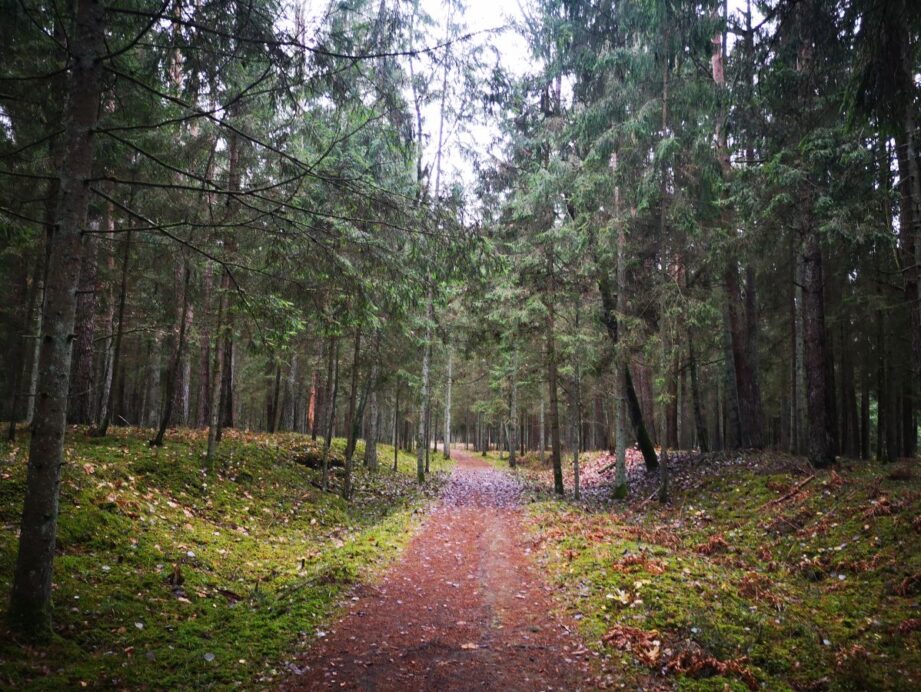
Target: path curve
464, 608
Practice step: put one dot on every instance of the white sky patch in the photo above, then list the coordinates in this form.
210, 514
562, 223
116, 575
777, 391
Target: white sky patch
475, 134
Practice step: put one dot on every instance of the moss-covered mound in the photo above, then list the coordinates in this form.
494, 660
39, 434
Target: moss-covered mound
761, 572
167, 577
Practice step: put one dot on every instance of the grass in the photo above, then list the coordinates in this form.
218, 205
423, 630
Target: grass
748, 578
169, 578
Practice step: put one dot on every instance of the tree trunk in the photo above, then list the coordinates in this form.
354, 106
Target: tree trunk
313, 404
622, 373
746, 404
735, 433
910, 191
181, 389
216, 377
288, 414
513, 418
577, 434
821, 443
421, 439
849, 429
37, 311
609, 318
203, 414
865, 420
151, 412
106, 321
28, 349
542, 432
374, 413
226, 400
330, 409
447, 428
799, 359
700, 422
80, 406
272, 396
750, 424
555, 451
351, 419
173, 371
119, 329
396, 426
428, 432
30, 599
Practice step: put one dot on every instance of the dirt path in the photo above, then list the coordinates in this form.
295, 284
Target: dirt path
464, 608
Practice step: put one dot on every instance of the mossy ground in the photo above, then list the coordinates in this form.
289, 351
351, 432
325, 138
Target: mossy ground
812, 586
264, 557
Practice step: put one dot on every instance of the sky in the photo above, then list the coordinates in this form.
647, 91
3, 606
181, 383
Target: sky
514, 57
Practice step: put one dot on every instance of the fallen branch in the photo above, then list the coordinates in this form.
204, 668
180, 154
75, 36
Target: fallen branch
799, 486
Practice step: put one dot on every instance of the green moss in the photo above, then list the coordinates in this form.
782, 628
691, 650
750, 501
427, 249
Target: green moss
264, 557
803, 588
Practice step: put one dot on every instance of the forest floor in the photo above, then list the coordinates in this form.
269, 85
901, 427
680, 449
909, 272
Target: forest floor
170, 578
464, 608
760, 572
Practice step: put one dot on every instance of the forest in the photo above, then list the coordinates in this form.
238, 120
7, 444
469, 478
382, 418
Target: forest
403, 344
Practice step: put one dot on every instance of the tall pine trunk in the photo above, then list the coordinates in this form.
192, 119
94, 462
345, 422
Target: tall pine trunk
421, 437
216, 376
447, 429
108, 396
556, 458
351, 419
374, 411
30, 599
203, 412
330, 407
174, 369
821, 443
80, 405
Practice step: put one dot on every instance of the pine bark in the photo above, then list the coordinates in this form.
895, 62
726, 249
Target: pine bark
351, 418
118, 327
821, 444
424, 405
700, 422
448, 383
513, 421
203, 412
556, 458
374, 409
30, 600
216, 376
80, 406
635, 411
330, 407
174, 369
396, 426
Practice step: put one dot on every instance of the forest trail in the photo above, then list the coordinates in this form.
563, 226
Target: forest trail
464, 608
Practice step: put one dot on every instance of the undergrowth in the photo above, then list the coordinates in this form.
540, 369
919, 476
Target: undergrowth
167, 577
760, 573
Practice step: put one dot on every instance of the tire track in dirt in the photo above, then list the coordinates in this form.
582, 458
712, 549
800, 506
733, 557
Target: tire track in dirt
464, 608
